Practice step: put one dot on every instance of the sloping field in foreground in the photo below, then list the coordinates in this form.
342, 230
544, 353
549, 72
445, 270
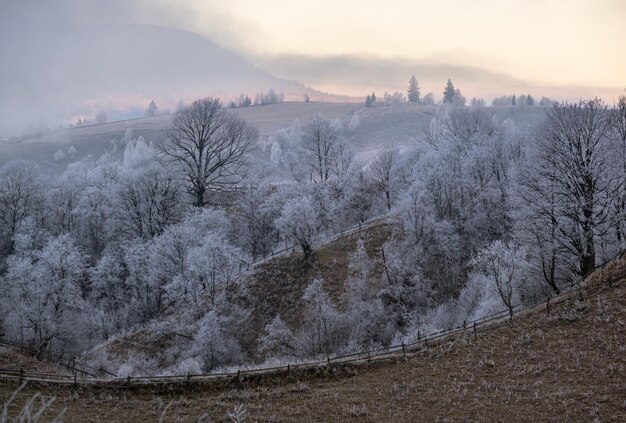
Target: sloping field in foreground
569, 365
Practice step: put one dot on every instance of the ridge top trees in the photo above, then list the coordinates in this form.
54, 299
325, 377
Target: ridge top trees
211, 146
449, 92
413, 92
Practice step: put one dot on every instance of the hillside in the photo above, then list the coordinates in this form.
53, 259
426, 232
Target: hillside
566, 366
120, 68
400, 125
95, 140
273, 287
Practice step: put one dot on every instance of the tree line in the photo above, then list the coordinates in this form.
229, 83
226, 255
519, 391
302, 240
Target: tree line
488, 214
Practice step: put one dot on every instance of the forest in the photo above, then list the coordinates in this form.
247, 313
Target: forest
160, 235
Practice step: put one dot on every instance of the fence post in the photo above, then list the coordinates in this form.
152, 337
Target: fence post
288, 368
403, 350
548, 306
475, 334
21, 374
464, 325
128, 380
369, 356
419, 335
581, 296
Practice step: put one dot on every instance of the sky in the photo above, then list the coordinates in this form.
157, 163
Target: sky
575, 42
55, 52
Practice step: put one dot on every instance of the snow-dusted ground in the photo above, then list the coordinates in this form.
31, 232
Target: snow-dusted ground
397, 125
97, 139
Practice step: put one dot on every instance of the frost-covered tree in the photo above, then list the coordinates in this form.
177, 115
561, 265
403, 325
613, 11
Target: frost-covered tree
380, 170
278, 340
503, 264
47, 289
211, 267
413, 92
256, 211
149, 203
448, 93
619, 119
429, 99
574, 159
152, 109
299, 221
20, 198
321, 331
218, 340
458, 100
322, 149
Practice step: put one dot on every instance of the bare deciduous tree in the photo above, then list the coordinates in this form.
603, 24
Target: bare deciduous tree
619, 115
149, 204
321, 149
19, 195
211, 145
574, 160
380, 171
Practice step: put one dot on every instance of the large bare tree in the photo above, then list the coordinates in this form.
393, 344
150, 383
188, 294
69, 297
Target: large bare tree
211, 145
322, 149
574, 163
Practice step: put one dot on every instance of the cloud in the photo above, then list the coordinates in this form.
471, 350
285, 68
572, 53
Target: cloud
358, 75
60, 58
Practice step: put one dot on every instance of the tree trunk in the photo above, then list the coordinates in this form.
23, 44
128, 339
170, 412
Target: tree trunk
199, 192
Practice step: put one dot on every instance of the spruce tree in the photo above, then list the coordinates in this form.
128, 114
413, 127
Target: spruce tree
413, 92
448, 93
368, 101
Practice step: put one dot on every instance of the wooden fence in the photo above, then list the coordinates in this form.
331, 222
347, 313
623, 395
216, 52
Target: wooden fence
472, 328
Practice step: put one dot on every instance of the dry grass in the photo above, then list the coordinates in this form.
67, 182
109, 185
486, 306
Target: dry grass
274, 287
277, 286
569, 366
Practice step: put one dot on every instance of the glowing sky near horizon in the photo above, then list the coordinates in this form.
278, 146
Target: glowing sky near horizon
543, 41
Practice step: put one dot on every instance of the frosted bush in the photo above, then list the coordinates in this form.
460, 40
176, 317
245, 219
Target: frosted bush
59, 155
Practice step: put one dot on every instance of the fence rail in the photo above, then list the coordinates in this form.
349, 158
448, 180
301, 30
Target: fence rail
474, 327
321, 241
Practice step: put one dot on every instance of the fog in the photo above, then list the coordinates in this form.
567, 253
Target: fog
73, 59
66, 59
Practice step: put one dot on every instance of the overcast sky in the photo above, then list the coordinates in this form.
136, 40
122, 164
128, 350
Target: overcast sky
577, 42
564, 48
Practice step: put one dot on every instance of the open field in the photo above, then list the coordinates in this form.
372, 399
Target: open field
399, 125
566, 366
96, 139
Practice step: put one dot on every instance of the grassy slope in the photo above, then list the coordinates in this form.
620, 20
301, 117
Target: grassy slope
96, 139
274, 287
378, 126
569, 366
